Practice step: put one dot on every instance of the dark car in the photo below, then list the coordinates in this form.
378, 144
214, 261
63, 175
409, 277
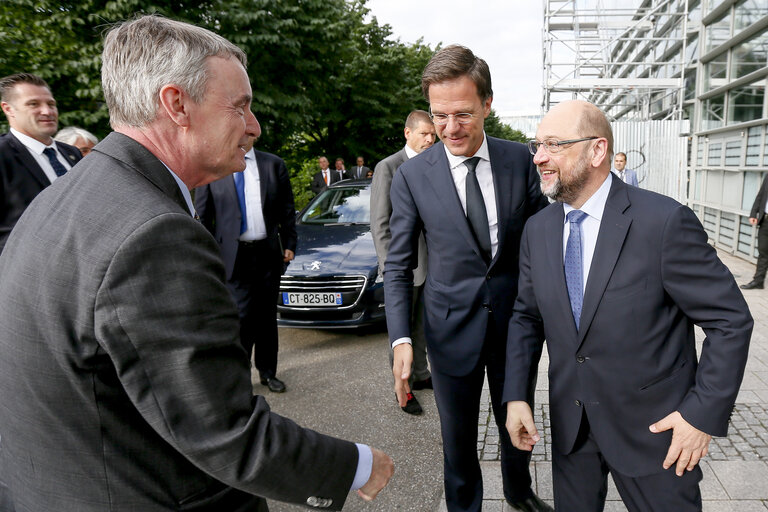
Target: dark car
334, 280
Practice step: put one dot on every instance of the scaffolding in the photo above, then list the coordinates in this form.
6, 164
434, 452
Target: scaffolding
629, 61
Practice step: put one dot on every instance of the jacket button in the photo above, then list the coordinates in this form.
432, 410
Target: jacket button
578, 403
580, 359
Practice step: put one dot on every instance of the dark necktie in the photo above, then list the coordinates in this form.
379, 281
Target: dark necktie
240, 186
58, 168
573, 267
476, 213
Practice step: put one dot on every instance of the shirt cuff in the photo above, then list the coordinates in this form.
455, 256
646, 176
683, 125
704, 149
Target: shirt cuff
364, 466
400, 341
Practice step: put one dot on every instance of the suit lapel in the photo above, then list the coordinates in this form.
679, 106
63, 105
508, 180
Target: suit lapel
28, 161
553, 237
614, 227
501, 170
441, 179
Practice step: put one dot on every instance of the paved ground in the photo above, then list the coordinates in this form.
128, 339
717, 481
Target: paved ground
339, 383
735, 470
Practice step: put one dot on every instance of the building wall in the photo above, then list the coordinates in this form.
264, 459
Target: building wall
729, 155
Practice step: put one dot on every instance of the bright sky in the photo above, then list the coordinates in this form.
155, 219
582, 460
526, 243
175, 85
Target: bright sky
505, 33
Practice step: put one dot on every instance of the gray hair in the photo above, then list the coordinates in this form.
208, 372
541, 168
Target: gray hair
143, 55
70, 134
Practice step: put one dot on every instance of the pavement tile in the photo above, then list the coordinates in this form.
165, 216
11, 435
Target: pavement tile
742, 480
734, 506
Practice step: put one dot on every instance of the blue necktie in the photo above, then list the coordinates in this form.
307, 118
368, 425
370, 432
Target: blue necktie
573, 267
240, 186
59, 169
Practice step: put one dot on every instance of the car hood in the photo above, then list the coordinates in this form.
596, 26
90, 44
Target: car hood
333, 249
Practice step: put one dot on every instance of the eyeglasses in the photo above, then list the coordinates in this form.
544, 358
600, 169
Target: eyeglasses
553, 146
442, 119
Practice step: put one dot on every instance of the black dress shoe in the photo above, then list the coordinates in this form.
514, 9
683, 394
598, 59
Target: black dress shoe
274, 384
412, 406
422, 384
532, 504
752, 285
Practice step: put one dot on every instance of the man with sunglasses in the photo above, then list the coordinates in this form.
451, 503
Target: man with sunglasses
470, 195
615, 278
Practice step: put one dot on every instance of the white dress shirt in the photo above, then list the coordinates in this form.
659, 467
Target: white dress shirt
410, 153
485, 179
257, 229
36, 149
590, 226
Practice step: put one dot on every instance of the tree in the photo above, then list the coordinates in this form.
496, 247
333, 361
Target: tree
495, 128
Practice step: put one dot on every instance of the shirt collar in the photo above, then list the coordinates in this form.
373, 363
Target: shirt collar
34, 145
454, 161
410, 152
595, 205
184, 191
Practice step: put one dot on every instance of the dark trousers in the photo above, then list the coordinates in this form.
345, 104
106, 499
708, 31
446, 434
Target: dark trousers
580, 481
762, 251
458, 403
254, 286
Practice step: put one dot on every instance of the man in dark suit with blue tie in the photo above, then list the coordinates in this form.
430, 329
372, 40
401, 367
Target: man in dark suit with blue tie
252, 216
470, 195
30, 159
615, 277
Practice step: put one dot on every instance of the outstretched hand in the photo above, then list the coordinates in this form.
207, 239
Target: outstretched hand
382, 470
688, 445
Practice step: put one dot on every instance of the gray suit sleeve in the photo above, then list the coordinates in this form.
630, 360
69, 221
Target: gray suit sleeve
165, 318
381, 210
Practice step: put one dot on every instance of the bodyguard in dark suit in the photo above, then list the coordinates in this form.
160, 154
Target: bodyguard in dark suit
324, 177
255, 249
123, 385
470, 196
615, 278
359, 171
29, 157
757, 218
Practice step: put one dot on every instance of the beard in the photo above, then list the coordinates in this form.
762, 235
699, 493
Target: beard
568, 189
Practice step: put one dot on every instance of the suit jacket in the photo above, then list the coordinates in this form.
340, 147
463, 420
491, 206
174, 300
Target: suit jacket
631, 177
758, 208
354, 174
21, 179
381, 211
460, 287
318, 183
123, 384
219, 210
633, 360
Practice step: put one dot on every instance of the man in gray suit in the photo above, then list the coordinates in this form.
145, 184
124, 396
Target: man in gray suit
419, 135
123, 385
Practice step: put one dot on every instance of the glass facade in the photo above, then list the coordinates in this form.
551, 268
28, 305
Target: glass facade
731, 119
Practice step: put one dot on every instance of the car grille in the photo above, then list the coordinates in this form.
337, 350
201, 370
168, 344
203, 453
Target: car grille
350, 287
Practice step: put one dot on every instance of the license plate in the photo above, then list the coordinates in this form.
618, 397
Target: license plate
311, 299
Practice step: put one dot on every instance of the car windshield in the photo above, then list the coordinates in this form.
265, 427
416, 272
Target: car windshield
343, 205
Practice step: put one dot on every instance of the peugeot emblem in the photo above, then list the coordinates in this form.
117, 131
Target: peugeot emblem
315, 265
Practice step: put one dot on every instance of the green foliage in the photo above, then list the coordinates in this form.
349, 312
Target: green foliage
324, 80
495, 128
301, 178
